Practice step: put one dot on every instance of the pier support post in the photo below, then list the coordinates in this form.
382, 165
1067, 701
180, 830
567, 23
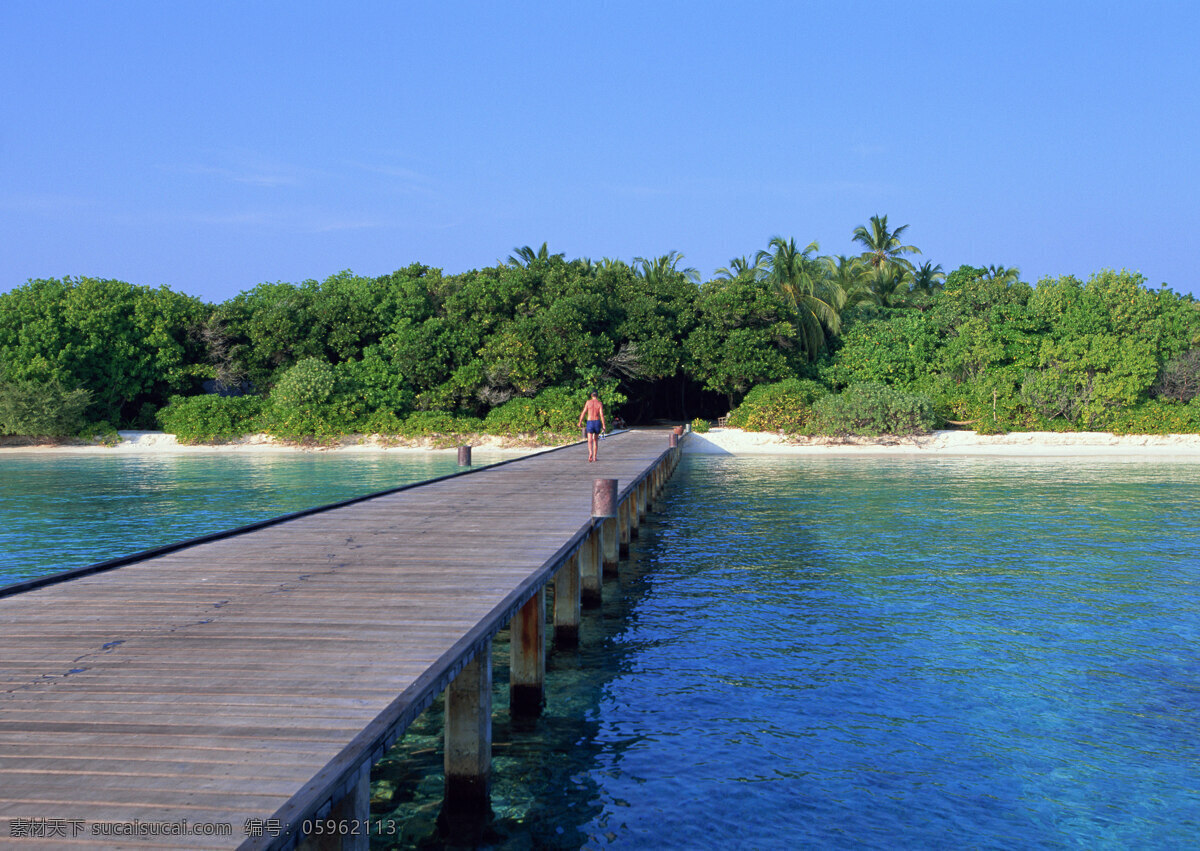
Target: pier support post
604, 507
527, 657
464, 456
589, 568
468, 758
353, 811
567, 599
625, 527
642, 489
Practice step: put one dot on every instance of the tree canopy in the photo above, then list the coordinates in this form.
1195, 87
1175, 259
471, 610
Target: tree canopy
979, 344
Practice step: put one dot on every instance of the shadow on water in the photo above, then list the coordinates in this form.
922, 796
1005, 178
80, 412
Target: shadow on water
559, 750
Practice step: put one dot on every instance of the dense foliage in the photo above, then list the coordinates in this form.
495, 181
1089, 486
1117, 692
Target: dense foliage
789, 341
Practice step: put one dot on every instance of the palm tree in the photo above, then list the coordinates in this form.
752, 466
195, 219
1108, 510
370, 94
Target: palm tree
1006, 276
883, 246
891, 284
526, 256
740, 267
846, 284
796, 276
927, 278
661, 268
889, 270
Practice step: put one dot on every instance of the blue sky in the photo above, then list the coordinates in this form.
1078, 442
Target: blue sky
214, 146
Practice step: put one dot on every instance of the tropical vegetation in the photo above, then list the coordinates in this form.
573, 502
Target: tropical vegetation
790, 340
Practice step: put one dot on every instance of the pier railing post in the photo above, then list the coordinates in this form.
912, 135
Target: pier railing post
468, 756
527, 657
604, 507
567, 599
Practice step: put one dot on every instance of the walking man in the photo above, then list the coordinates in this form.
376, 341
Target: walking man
593, 412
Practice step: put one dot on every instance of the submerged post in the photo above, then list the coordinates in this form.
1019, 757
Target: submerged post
464, 456
527, 657
468, 758
567, 599
604, 506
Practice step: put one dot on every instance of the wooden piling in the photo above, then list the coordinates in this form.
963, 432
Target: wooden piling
464, 456
468, 725
568, 598
605, 507
527, 657
590, 568
624, 528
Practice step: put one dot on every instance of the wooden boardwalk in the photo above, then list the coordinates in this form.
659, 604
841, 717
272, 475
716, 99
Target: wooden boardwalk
251, 678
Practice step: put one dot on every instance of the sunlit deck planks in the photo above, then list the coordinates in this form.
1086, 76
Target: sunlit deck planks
241, 678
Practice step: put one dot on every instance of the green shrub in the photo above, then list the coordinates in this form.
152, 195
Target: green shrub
555, 410
700, 426
384, 422
871, 408
516, 416
211, 418
1158, 416
49, 409
435, 423
305, 385
784, 406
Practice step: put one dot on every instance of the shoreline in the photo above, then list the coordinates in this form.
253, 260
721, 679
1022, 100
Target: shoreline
717, 441
161, 443
732, 441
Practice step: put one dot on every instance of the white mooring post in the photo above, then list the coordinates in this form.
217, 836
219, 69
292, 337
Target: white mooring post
527, 657
468, 757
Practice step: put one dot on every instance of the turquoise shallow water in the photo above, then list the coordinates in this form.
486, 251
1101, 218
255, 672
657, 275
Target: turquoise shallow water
841, 653
64, 511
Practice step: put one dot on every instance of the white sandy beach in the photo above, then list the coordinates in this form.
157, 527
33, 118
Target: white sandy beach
157, 442
732, 441
718, 441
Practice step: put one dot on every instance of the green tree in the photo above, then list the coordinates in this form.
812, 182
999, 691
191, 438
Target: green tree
796, 275
744, 335
882, 247
128, 346
883, 253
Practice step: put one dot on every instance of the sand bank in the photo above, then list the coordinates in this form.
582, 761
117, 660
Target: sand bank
732, 441
139, 442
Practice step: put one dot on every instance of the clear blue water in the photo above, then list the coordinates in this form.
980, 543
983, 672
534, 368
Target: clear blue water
65, 511
867, 654
840, 653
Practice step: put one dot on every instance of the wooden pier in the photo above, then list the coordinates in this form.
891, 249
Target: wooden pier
234, 692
